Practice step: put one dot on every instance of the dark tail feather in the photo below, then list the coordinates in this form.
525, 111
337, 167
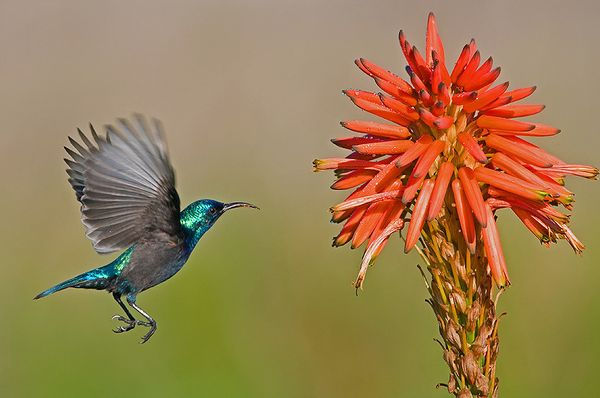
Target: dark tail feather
94, 279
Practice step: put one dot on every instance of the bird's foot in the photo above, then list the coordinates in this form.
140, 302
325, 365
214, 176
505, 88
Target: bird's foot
129, 324
152, 326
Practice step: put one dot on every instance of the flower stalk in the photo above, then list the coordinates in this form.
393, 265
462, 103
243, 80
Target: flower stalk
464, 303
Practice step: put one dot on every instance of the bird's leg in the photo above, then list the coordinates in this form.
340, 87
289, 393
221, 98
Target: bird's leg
151, 322
130, 321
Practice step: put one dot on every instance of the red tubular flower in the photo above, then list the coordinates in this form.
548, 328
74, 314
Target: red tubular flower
418, 216
442, 126
465, 215
493, 249
445, 173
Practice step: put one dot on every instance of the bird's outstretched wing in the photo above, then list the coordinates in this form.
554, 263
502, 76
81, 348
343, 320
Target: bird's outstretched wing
126, 185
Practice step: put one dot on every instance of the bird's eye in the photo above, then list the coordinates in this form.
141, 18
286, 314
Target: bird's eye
212, 210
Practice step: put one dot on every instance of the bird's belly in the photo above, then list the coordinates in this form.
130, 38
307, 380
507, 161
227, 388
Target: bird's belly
148, 267
162, 275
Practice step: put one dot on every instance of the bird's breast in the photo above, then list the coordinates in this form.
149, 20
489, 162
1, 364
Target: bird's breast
152, 264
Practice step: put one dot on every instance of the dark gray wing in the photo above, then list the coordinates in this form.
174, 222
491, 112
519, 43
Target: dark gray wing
125, 183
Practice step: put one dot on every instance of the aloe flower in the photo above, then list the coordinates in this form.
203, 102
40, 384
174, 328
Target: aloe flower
448, 151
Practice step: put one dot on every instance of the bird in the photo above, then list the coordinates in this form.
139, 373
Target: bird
125, 184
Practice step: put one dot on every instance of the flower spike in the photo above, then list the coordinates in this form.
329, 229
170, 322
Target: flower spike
457, 126
445, 126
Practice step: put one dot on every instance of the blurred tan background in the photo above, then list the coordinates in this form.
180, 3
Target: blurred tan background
249, 92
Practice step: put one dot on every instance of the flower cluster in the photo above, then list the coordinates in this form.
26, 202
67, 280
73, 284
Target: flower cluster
451, 140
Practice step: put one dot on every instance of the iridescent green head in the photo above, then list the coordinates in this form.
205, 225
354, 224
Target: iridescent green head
200, 215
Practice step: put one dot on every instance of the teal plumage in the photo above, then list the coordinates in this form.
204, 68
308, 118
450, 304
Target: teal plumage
98, 278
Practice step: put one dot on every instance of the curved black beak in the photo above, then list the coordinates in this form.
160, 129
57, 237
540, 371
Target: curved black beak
233, 205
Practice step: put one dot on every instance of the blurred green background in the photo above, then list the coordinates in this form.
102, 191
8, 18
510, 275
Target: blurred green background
249, 92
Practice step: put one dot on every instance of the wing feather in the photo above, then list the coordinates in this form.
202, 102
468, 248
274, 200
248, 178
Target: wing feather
125, 184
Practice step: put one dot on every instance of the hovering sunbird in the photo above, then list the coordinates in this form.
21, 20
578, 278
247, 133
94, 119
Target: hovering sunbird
126, 186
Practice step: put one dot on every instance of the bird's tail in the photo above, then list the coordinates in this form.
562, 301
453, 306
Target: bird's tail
98, 278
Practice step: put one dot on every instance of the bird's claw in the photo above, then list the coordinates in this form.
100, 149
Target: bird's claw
122, 318
152, 326
129, 324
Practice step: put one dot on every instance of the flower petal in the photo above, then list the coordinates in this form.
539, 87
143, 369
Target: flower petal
377, 129
509, 97
484, 80
442, 122
464, 97
540, 130
386, 75
514, 168
387, 179
415, 151
384, 147
486, 98
404, 110
442, 180
575, 243
353, 179
427, 158
418, 216
349, 227
511, 184
465, 215
367, 224
541, 210
517, 149
436, 78
533, 225
473, 194
342, 163
444, 94
535, 149
363, 68
422, 69
520, 93
407, 51
467, 141
461, 62
381, 111
578, 170
410, 190
363, 95
499, 123
416, 80
493, 250
497, 103
395, 91
367, 256
433, 42
478, 75
392, 214
469, 71
510, 111
349, 142
363, 200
